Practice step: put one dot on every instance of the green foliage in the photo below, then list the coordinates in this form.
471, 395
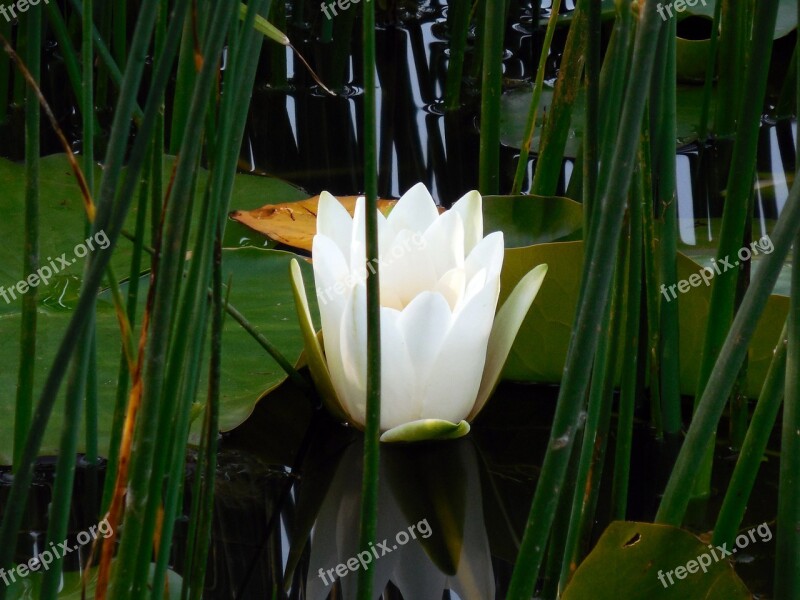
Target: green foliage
627, 559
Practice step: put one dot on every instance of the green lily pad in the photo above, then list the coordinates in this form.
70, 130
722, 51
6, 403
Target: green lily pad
528, 220
61, 224
261, 291
541, 345
514, 107
630, 560
787, 14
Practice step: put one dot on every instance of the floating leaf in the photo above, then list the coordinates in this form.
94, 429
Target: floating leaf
524, 220
514, 106
261, 291
527, 220
294, 223
541, 345
628, 558
787, 14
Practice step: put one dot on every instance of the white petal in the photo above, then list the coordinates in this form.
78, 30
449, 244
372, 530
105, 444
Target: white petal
348, 367
472, 288
444, 242
358, 242
452, 286
407, 272
332, 278
470, 207
334, 221
488, 254
453, 386
399, 404
424, 323
415, 210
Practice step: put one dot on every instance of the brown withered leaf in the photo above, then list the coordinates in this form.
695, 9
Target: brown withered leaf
295, 223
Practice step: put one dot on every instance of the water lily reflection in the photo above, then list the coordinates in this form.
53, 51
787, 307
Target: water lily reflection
431, 493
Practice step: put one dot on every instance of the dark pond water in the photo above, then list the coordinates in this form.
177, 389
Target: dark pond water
288, 480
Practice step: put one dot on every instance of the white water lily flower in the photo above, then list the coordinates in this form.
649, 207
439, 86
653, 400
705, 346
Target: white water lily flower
442, 346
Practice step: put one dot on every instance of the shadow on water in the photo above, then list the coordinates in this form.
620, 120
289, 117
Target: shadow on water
287, 490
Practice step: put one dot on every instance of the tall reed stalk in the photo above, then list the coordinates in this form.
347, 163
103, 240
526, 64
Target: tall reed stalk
369, 486
597, 273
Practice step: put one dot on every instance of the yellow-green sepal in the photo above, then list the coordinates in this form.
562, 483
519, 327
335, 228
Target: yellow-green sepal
426, 430
504, 331
314, 355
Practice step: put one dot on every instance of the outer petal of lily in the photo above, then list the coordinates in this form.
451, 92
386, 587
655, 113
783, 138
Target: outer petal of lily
334, 286
424, 324
348, 361
332, 278
488, 254
398, 402
426, 429
407, 273
334, 221
444, 243
506, 325
314, 355
415, 210
450, 393
470, 207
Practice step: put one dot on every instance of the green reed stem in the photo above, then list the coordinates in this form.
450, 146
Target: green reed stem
71, 61
632, 303
595, 437
458, 26
591, 138
244, 50
755, 444
597, 272
735, 216
530, 125
726, 369
708, 84
120, 41
555, 132
368, 521
146, 467
65, 467
664, 123
787, 537
491, 90
5, 73
208, 448
652, 293
112, 207
23, 414
732, 61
